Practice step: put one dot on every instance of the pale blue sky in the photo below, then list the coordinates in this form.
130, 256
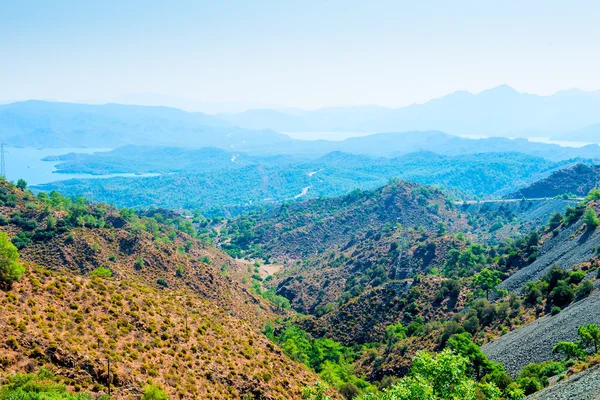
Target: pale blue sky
296, 53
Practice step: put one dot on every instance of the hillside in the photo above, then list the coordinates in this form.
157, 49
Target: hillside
577, 180
102, 284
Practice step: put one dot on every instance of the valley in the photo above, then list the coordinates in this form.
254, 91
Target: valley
188, 257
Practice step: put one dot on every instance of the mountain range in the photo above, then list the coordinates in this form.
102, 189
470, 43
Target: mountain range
501, 111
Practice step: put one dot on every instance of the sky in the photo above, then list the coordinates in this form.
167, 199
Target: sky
288, 53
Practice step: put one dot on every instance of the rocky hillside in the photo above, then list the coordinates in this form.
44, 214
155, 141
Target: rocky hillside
583, 386
102, 284
534, 341
306, 229
577, 180
570, 244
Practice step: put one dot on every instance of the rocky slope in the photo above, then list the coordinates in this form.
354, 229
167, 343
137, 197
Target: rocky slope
583, 386
534, 341
573, 244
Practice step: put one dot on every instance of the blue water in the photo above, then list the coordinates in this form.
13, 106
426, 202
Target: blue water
26, 163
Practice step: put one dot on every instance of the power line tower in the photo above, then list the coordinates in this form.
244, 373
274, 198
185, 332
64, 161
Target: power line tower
2, 165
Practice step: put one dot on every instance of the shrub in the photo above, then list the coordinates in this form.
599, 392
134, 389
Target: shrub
162, 282
555, 310
153, 392
562, 294
584, 289
349, 390
139, 263
101, 272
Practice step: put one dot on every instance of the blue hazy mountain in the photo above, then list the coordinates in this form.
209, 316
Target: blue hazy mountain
49, 124
501, 111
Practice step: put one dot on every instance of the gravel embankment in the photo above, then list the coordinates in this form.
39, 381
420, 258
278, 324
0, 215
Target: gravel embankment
534, 342
566, 249
583, 386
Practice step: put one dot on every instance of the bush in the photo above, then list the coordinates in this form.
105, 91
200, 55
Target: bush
153, 392
101, 272
584, 289
162, 282
139, 263
349, 390
42, 385
562, 294
555, 310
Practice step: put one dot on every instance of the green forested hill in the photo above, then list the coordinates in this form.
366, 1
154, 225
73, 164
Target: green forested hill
225, 183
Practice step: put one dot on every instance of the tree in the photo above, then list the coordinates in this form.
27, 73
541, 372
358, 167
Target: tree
486, 280
555, 221
591, 219
590, 335
10, 266
569, 349
21, 184
463, 345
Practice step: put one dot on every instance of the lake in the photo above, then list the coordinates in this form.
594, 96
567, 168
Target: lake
26, 163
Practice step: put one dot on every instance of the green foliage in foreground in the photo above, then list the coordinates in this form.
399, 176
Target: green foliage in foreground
40, 386
439, 377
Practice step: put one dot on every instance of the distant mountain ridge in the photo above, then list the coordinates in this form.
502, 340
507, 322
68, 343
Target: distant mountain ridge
47, 124
499, 111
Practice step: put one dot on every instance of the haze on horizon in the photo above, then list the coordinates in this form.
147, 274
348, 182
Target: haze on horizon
234, 54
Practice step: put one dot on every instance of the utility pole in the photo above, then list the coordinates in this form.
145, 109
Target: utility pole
2, 166
108, 378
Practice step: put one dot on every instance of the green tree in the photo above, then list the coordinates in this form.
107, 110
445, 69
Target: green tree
487, 280
21, 184
591, 219
590, 335
10, 266
568, 349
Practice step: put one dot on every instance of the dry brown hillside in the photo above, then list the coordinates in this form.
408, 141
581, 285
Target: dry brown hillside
172, 311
